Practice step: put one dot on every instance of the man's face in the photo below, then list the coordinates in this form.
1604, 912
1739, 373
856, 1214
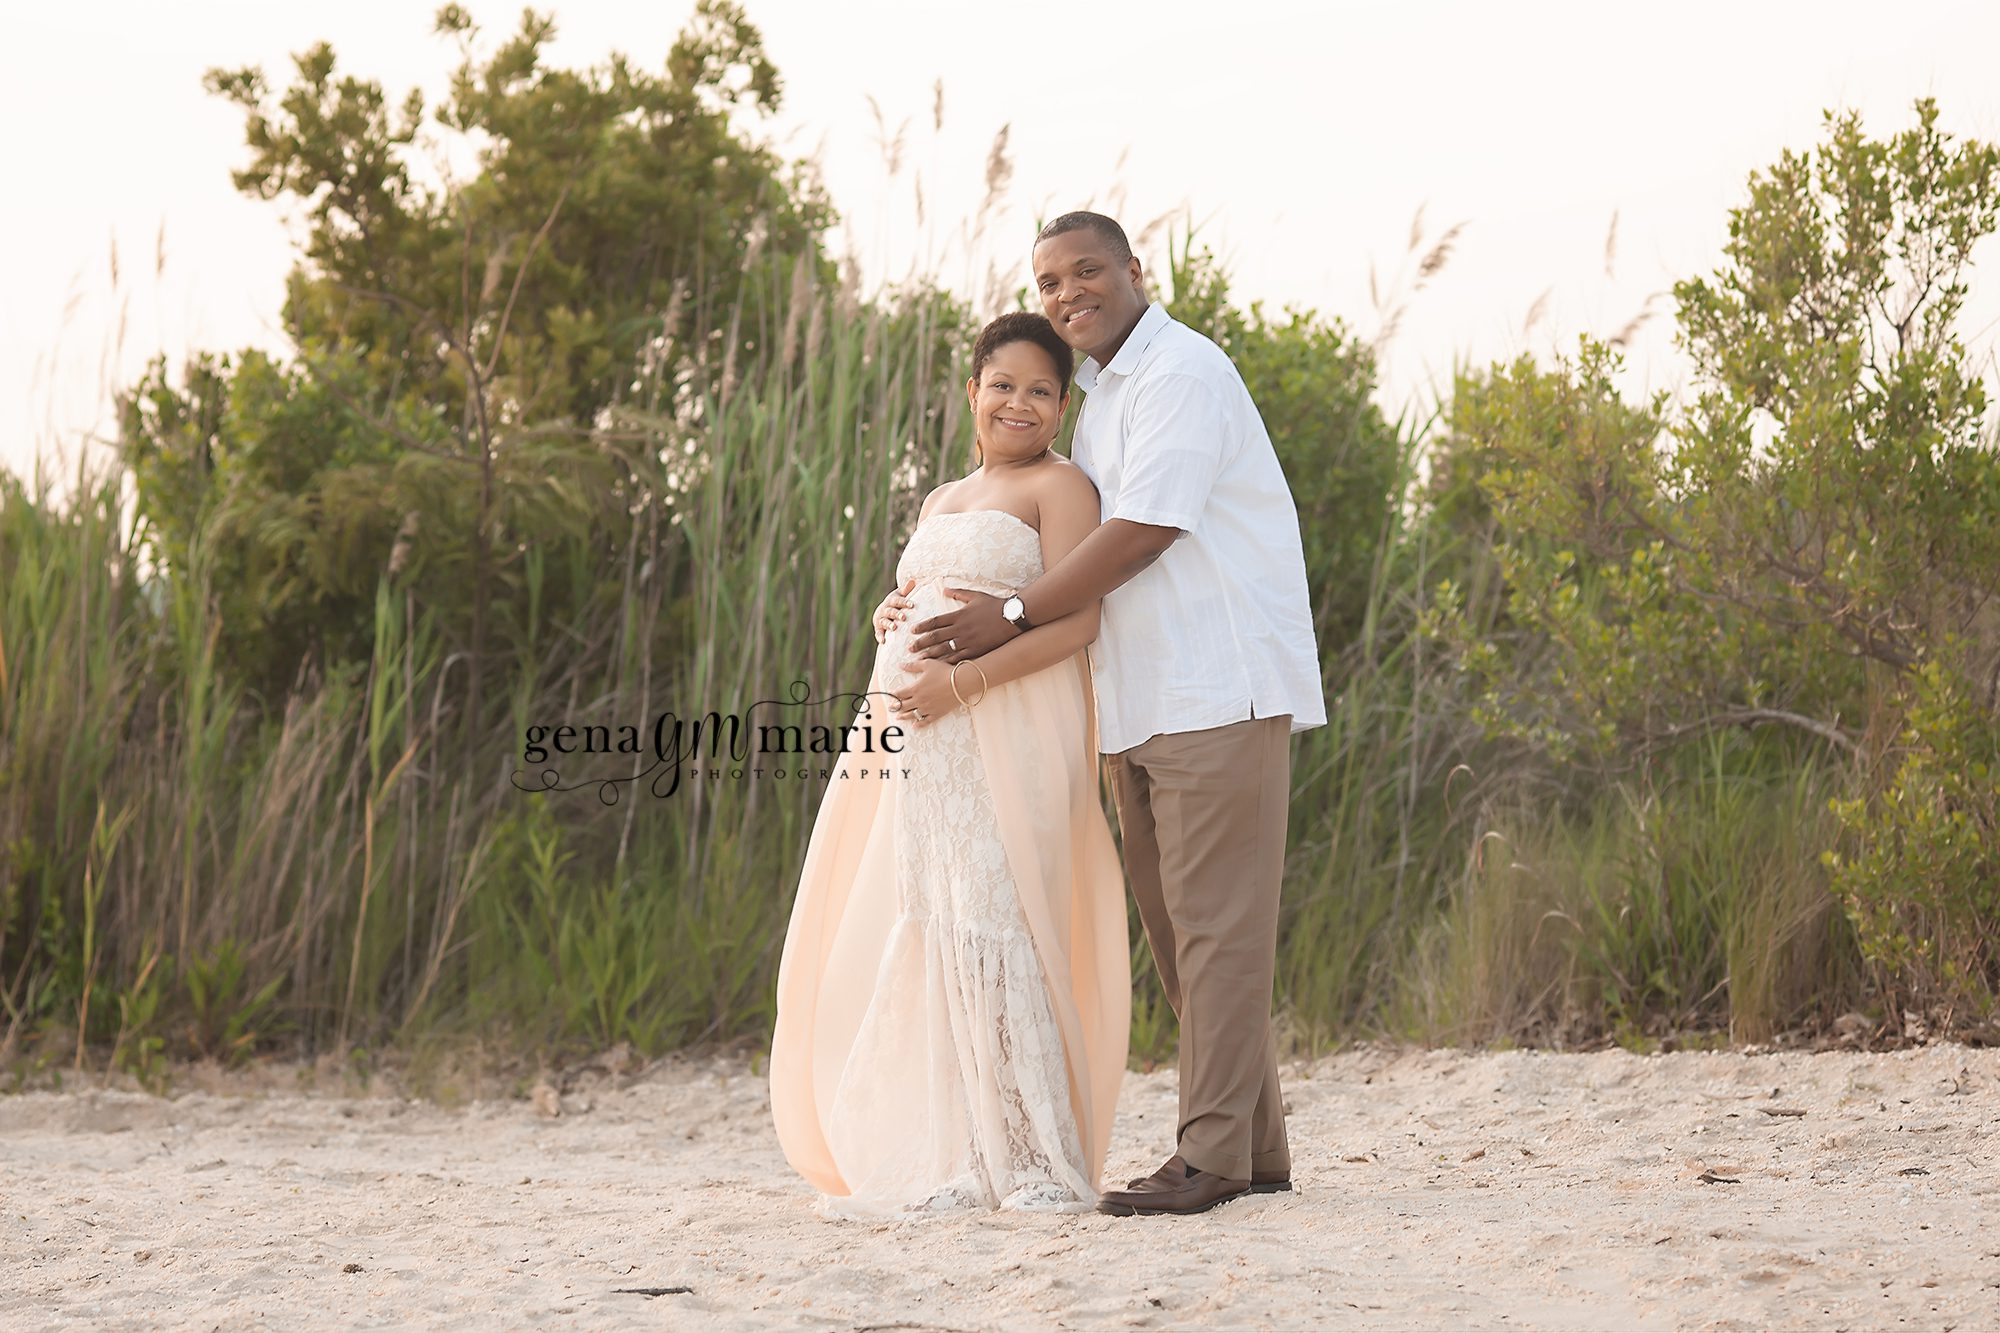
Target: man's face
1091, 298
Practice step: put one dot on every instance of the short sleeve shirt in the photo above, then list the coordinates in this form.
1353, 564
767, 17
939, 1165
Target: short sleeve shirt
1219, 628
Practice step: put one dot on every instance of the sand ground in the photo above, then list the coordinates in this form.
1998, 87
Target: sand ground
1436, 1190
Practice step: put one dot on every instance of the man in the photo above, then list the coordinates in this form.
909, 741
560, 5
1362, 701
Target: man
1205, 663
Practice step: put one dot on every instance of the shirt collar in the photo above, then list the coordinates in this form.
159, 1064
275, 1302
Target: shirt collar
1127, 359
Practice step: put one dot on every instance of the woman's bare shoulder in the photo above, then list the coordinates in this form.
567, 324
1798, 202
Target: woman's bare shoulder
1062, 480
937, 494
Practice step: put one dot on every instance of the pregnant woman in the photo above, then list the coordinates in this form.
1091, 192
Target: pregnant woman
954, 992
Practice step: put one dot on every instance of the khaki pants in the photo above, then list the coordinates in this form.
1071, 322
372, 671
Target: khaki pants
1202, 818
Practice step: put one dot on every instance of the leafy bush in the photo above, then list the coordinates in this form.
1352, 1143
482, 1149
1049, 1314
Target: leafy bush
1813, 544
1920, 875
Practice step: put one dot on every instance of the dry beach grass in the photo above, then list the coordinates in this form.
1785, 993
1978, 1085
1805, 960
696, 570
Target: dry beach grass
1513, 1189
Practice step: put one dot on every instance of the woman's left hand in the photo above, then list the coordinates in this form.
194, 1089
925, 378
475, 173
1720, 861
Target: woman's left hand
929, 695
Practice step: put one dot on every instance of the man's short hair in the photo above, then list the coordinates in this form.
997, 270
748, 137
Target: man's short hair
1106, 228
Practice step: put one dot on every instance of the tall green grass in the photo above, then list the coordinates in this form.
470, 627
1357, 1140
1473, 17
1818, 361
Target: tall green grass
1685, 902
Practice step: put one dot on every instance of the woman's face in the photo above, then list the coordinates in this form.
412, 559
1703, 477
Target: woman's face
1017, 403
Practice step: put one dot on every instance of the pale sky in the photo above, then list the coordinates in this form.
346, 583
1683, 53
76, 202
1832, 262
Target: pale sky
1304, 137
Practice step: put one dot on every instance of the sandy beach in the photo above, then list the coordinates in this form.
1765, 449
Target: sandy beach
1507, 1190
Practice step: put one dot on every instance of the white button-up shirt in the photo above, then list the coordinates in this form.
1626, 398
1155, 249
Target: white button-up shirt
1219, 628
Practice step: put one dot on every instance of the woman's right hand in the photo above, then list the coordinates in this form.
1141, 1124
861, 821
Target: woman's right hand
893, 609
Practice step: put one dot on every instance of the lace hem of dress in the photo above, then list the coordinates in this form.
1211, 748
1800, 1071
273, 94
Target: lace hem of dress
958, 1199
1034, 1165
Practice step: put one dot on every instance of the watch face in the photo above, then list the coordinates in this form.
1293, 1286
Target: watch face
1011, 608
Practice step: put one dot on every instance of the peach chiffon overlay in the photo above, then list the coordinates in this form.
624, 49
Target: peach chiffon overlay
889, 1026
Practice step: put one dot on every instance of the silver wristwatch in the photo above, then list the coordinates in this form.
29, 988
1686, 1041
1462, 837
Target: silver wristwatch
1015, 614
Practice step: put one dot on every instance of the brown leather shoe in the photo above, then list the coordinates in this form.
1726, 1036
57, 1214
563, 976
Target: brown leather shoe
1174, 1168
1261, 1182
1195, 1191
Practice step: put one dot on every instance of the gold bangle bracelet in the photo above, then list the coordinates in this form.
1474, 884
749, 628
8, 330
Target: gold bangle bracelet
983, 687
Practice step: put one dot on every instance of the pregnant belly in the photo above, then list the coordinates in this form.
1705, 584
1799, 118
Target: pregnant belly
895, 654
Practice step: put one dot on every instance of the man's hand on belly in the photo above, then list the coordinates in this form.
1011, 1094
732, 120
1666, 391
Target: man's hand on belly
958, 636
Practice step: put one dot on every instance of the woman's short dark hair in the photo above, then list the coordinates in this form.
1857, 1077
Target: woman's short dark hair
1021, 326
